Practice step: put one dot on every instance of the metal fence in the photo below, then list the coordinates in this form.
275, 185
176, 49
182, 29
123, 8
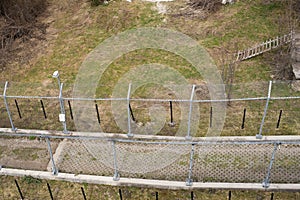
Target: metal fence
255, 109
188, 161
260, 108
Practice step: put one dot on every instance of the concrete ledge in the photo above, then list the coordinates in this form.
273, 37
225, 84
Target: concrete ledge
149, 137
146, 183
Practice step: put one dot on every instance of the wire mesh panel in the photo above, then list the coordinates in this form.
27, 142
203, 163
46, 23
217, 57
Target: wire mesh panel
253, 117
162, 110
85, 157
23, 112
25, 153
206, 162
231, 162
49, 110
286, 167
159, 118
283, 115
210, 115
105, 118
41, 114
68, 105
153, 161
245, 108
243, 118
89, 116
31, 105
157, 110
206, 118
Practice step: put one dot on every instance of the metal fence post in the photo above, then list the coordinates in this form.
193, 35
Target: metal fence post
129, 134
7, 108
49, 190
171, 115
83, 193
190, 113
54, 169
62, 116
19, 190
259, 135
266, 181
116, 173
189, 181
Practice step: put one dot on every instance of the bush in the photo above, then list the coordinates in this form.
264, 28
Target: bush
31, 180
97, 2
209, 6
200, 8
18, 21
296, 6
22, 11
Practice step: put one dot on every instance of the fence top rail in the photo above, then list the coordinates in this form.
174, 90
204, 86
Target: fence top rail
156, 100
145, 139
149, 183
238, 89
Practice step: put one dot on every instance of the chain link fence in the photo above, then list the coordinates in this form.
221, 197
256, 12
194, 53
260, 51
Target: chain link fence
254, 109
259, 108
205, 161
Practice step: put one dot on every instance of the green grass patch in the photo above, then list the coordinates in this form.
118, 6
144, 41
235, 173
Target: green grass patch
81, 32
31, 180
26, 153
253, 22
141, 57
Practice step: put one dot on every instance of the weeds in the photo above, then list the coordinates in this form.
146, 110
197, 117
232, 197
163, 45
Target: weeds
31, 180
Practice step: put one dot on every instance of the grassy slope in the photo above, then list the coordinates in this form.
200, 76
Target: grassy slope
37, 189
78, 29
238, 26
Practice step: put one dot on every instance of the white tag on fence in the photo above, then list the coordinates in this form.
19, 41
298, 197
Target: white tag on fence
62, 117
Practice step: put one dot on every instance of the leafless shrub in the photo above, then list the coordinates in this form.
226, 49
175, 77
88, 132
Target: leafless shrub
280, 62
296, 6
200, 8
209, 6
280, 59
97, 2
18, 24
